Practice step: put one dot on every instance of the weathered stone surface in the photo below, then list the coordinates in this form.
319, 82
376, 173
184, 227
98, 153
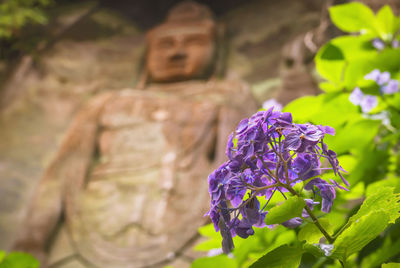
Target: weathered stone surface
146, 189
47, 96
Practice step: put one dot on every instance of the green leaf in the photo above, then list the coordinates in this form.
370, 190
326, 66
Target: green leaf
310, 232
356, 135
214, 262
301, 108
330, 63
386, 251
334, 111
282, 257
291, 208
214, 238
354, 47
382, 199
2, 256
359, 234
19, 260
386, 23
356, 71
391, 265
375, 214
352, 17
329, 87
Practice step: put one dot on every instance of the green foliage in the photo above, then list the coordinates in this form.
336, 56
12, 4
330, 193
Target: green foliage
382, 199
359, 234
14, 14
352, 17
17, 260
376, 213
391, 265
311, 234
363, 222
345, 60
284, 256
214, 262
291, 208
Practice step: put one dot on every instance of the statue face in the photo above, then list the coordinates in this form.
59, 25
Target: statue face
180, 53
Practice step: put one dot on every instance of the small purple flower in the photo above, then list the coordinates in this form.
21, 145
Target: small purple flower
243, 228
373, 75
368, 103
293, 223
272, 103
310, 203
383, 78
356, 96
395, 43
326, 191
379, 77
378, 44
306, 166
391, 87
303, 137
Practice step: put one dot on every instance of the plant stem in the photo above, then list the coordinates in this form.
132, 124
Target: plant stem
313, 217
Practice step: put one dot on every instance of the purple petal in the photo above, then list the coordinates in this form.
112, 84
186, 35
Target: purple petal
383, 78
292, 223
395, 43
356, 96
292, 142
391, 87
242, 126
272, 103
378, 44
373, 75
337, 185
327, 130
368, 103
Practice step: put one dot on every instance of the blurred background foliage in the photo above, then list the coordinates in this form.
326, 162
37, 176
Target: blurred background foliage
15, 14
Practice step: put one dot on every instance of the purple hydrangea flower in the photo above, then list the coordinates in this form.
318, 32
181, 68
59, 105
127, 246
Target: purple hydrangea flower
367, 102
391, 87
379, 77
373, 75
326, 190
293, 223
378, 44
356, 96
395, 43
383, 78
267, 155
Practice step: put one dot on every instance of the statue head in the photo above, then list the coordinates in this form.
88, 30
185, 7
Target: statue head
184, 46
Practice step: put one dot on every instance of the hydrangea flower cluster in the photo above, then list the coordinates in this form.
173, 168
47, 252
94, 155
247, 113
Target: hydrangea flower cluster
269, 154
367, 102
386, 84
380, 45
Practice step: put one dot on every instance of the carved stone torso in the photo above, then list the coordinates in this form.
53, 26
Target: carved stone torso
146, 192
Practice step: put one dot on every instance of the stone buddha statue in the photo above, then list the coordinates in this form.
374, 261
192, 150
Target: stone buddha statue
128, 185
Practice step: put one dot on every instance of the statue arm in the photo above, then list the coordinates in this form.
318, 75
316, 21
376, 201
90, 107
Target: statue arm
70, 163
